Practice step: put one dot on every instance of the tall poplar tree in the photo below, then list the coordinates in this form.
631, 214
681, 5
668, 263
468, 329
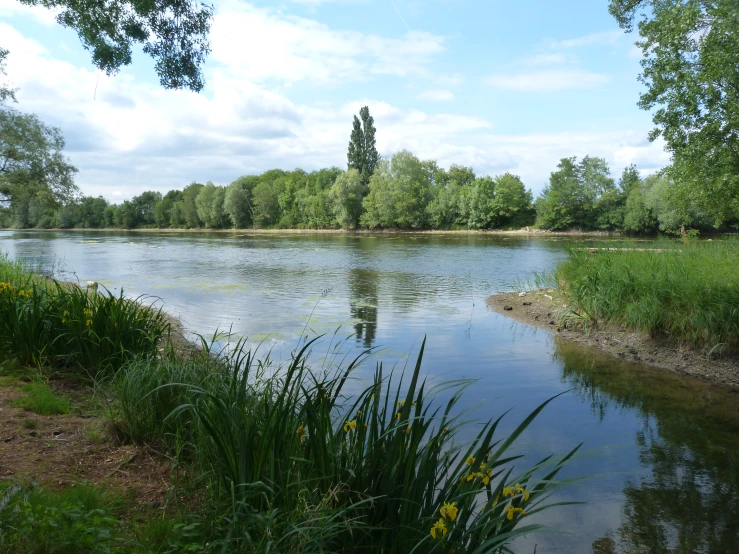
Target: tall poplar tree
362, 154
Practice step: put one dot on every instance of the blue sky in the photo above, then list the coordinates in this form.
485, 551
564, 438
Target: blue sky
499, 86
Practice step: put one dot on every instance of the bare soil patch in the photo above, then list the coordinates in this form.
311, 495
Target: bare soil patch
547, 310
57, 451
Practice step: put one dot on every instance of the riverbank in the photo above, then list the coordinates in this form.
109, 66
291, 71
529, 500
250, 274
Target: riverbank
548, 310
528, 231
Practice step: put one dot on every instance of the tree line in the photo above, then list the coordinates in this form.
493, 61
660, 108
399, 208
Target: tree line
403, 192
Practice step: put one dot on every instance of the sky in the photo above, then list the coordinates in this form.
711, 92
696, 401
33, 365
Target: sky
490, 84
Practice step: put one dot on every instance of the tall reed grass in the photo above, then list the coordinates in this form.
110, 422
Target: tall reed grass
301, 466
47, 322
687, 293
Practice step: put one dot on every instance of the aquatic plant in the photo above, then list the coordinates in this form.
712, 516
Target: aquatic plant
301, 466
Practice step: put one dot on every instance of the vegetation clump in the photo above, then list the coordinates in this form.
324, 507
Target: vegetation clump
684, 293
301, 466
46, 322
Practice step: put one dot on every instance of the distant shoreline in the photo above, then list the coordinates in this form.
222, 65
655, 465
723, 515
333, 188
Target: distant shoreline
511, 232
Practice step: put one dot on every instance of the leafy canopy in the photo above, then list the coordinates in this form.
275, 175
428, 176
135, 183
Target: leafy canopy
173, 32
691, 72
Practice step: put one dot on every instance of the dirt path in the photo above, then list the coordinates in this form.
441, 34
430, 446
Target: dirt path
544, 309
60, 450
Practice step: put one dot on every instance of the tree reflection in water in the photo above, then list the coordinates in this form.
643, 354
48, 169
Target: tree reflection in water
363, 304
688, 499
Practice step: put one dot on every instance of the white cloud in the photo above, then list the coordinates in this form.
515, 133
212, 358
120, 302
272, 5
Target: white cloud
263, 44
552, 80
127, 136
436, 95
10, 8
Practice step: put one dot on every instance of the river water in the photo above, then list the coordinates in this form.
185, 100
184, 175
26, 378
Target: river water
661, 452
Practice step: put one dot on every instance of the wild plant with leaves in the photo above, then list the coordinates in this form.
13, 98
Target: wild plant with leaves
302, 466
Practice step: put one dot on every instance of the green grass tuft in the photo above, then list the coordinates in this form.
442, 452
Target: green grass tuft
42, 400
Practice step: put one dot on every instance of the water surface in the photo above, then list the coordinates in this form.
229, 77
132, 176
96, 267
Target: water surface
662, 449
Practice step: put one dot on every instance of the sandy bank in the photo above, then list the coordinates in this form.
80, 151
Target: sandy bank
544, 309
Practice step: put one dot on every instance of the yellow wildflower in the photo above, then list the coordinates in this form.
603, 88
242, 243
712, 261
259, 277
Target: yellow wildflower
301, 432
438, 530
401, 403
88, 323
66, 313
408, 430
513, 511
360, 413
487, 476
470, 460
350, 426
449, 510
88, 313
508, 491
397, 416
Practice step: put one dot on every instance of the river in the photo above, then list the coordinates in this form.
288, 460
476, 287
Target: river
661, 452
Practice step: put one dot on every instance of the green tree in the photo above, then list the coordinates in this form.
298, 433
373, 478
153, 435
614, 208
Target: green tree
144, 208
362, 154
209, 203
347, 194
185, 212
266, 204
238, 202
691, 72
31, 159
580, 195
399, 193
163, 211
174, 33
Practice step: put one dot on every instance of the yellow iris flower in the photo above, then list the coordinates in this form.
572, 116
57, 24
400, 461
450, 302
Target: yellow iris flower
438, 530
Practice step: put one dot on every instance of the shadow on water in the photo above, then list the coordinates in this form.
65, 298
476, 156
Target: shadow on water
687, 499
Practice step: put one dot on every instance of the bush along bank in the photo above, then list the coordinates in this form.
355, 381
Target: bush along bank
287, 461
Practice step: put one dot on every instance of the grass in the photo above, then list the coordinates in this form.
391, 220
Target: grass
45, 322
688, 294
88, 519
42, 400
298, 466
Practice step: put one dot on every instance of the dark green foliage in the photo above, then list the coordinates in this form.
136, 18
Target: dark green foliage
48, 322
303, 468
691, 72
688, 293
362, 154
38, 521
580, 195
174, 33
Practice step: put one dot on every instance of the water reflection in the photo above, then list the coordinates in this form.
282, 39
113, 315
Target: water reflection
687, 497
363, 303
